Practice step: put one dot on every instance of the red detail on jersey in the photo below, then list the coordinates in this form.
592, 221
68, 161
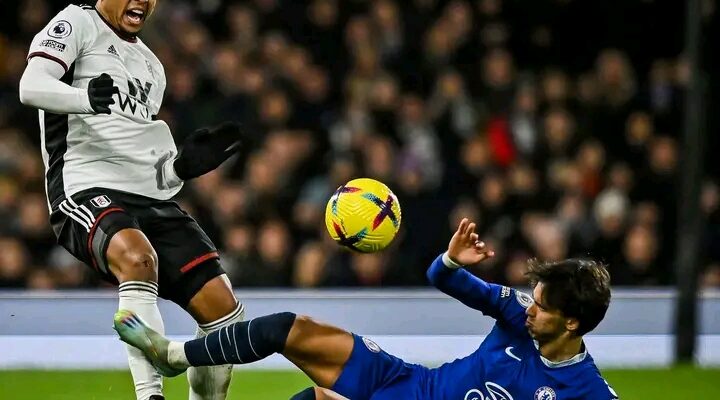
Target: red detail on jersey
49, 57
92, 232
194, 263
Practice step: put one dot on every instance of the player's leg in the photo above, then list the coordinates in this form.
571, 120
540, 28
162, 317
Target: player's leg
317, 393
191, 276
213, 307
96, 227
319, 350
134, 263
348, 364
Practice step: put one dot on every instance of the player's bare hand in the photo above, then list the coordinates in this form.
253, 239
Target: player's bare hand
465, 247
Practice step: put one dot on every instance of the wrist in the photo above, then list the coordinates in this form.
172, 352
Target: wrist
84, 101
170, 176
449, 262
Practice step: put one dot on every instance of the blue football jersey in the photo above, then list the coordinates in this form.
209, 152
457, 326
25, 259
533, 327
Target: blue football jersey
508, 364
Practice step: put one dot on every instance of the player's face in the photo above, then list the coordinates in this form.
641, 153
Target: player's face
127, 15
543, 323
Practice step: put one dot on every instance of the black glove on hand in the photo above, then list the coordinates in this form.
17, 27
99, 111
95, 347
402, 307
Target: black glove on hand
205, 149
100, 92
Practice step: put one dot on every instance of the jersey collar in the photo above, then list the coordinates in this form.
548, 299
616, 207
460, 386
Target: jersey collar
121, 35
577, 358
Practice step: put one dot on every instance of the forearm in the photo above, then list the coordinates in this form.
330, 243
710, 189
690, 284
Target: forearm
40, 87
460, 284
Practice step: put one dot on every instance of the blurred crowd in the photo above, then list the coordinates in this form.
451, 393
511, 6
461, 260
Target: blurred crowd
555, 124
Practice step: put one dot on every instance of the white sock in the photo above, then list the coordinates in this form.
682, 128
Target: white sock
210, 383
141, 298
176, 355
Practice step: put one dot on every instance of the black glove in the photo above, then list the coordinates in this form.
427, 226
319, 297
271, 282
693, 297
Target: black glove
205, 149
100, 92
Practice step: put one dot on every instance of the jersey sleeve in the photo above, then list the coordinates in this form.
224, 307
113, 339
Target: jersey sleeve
64, 38
604, 391
505, 304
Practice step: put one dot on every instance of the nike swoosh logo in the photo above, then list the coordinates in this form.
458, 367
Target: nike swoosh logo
508, 351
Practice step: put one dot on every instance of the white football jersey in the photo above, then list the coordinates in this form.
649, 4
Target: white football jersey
123, 150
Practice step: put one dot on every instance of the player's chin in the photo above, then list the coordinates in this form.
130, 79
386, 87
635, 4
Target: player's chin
530, 330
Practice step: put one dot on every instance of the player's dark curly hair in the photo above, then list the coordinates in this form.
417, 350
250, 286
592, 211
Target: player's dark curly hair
578, 288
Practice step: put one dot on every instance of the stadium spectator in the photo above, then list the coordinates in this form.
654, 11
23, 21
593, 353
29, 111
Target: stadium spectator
559, 139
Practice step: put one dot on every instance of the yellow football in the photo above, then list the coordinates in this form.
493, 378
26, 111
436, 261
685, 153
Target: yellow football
363, 215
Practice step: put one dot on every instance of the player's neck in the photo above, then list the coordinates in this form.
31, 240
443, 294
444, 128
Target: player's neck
105, 16
561, 349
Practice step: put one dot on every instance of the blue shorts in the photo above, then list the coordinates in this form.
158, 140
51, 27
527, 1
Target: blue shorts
372, 373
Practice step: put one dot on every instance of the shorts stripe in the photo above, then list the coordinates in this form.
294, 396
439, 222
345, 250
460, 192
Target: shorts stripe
87, 211
81, 219
89, 218
81, 208
194, 263
100, 242
92, 230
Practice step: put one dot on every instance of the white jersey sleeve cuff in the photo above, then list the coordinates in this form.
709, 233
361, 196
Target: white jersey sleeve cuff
168, 176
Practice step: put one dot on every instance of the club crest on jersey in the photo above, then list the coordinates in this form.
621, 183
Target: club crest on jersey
60, 30
545, 393
101, 201
524, 299
372, 346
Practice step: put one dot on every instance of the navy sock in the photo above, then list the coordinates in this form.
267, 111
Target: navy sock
242, 342
307, 394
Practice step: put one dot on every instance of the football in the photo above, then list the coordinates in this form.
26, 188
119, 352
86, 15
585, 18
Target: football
363, 215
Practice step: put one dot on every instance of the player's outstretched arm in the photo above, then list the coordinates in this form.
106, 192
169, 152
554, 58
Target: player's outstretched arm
205, 149
446, 272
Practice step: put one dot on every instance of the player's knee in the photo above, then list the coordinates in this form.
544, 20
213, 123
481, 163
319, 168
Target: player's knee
304, 323
138, 264
304, 329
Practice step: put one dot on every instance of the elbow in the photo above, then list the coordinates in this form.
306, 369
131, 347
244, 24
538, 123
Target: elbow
25, 99
432, 276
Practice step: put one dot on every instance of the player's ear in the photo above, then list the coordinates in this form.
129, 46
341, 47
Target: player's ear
572, 324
